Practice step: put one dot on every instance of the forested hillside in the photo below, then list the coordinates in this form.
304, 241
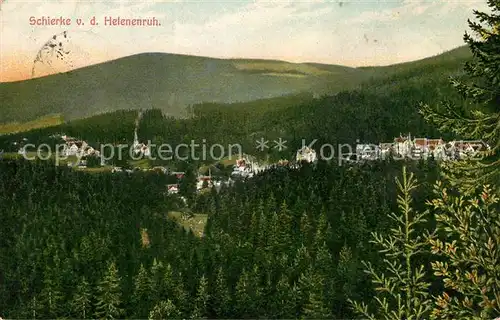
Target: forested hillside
283, 245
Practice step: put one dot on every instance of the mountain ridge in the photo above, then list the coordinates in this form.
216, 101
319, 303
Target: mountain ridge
172, 82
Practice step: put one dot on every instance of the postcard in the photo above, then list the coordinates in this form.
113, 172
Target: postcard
244, 159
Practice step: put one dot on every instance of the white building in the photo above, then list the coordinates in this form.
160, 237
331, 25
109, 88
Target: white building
464, 149
367, 152
306, 154
384, 150
173, 188
202, 180
71, 150
245, 168
403, 146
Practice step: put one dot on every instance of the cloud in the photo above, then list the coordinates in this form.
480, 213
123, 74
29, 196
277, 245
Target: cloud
261, 26
413, 9
261, 14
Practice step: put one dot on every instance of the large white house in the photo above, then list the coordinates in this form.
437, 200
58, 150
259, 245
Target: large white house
306, 154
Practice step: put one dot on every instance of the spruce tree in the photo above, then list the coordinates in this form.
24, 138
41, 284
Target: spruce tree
481, 91
467, 243
168, 283
142, 293
262, 231
315, 307
247, 294
243, 299
272, 234
81, 303
301, 290
187, 185
180, 295
306, 229
200, 310
156, 290
324, 266
301, 262
33, 307
466, 206
165, 310
220, 299
348, 274
322, 231
282, 305
51, 296
285, 220
109, 302
402, 291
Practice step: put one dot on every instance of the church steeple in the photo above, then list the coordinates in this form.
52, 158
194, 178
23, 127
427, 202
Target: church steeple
136, 140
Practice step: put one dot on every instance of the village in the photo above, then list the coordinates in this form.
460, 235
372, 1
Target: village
246, 166
406, 147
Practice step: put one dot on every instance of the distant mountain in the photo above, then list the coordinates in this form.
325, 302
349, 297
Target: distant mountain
450, 58
166, 81
171, 82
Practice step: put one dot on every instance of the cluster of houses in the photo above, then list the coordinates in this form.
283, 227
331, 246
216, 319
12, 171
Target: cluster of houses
158, 169
74, 147
203, 182
406, 147
174, 188
246, 168
71, 147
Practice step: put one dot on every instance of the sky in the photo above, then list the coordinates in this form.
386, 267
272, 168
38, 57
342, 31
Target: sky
352, 32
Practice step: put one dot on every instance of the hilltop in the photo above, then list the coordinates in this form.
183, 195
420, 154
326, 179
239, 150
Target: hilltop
172, 82
169, 82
